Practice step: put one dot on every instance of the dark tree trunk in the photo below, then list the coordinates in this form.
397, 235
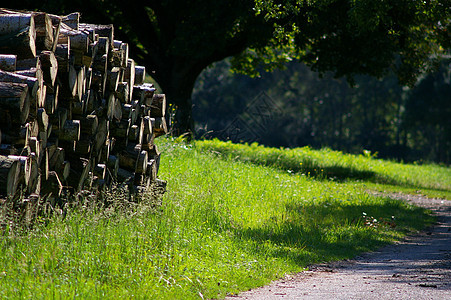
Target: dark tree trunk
177, 82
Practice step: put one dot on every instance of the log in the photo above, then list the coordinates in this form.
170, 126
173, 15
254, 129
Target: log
25, 133
14, 136
18, 35
113, 164
56, 158
64, 170
158, 106
123, 92
31, 82
129, 75
151, 171
25, 165
117, 56
35, 147
33, 72
141, 163
28, 63
144, 94
72, 20
127, 111
43, 120
133, 133
45, 164
51, 100
52, 185
9, 175
113, 79
33, 177
69, 85
71, 131
147, 125
62, 54
15, 102
149, 92
42, 95
102, 47
90, 101
37, 99
83, 147
105, 152
49, 65
129, 156
84, 173
7, 149
159, 126
89, 125
88, 77
14, 22
124, 48
101, 135
81, 82
78, 40
106, 31
119, 129
56, 33
8, 62
78, 109
140, 74
32, 129
148, 141
117, 111
44, 31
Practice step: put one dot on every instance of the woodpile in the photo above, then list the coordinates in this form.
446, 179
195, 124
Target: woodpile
75, 111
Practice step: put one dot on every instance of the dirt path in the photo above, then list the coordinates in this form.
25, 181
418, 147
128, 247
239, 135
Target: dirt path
416, 268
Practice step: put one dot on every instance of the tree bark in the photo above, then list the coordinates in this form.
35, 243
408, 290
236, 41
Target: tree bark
9, 175
18, 32
33, 83
8, 62
15, 101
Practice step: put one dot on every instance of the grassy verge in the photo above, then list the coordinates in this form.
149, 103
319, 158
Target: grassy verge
225, 225
326, 164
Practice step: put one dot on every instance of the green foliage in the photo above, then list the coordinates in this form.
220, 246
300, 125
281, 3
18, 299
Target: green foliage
224, 226
363, 37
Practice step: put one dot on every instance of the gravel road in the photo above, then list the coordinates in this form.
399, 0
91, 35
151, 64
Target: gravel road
417, 268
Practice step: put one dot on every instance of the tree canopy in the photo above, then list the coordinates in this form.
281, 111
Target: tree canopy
178, 39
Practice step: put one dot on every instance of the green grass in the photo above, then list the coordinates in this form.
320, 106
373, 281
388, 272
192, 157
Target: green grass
232, 219
325, 164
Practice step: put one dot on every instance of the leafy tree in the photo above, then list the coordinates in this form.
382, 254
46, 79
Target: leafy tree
178, 39
427, 116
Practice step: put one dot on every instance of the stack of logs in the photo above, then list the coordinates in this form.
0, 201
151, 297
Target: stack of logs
74, 109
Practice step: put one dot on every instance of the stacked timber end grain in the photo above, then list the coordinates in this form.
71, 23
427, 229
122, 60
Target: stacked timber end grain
75, 112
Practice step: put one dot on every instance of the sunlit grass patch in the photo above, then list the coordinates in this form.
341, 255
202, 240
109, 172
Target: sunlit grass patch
336, 165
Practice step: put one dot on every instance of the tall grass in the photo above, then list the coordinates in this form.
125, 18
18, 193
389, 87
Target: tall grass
224, 226
336, 165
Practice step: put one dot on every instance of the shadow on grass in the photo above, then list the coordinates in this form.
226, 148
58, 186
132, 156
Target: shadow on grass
336, 173
322, 232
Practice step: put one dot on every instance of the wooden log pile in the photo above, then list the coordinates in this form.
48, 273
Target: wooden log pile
75, 111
